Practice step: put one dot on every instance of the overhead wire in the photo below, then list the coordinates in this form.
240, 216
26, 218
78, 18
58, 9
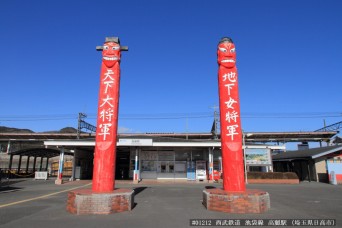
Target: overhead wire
158, 116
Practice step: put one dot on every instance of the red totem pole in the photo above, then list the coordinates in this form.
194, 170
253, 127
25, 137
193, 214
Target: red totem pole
107, 116
231, 132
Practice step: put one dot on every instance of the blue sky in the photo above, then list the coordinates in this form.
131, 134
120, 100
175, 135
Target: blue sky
288, 56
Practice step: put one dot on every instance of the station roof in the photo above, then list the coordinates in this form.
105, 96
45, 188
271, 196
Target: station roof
290, 136
262, 137
307, 154
39, 152
152, 142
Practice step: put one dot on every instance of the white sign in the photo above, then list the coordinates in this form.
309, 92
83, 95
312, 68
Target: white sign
135, 142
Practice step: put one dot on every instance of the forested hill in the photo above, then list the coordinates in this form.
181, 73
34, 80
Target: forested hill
4, 129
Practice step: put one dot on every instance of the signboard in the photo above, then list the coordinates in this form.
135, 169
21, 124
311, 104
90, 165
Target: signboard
135, 142
148, 155
166, 156
258, 156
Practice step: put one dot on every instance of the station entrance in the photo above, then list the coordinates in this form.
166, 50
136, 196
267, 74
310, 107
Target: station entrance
169, 163
122, 167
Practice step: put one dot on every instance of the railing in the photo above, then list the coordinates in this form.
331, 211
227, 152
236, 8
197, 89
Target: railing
16, 173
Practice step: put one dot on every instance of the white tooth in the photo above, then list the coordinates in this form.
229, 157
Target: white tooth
228, 61
110, 58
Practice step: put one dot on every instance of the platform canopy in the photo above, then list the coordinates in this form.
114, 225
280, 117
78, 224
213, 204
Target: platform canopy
284, 137
39, 152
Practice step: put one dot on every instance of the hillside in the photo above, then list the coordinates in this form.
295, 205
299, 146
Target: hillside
4, 129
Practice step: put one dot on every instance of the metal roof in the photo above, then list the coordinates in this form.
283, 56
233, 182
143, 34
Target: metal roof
289, 136
90, 144
263, 137
39, 152
307, 154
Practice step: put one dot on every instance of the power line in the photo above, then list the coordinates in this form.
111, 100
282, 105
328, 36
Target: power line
161, 116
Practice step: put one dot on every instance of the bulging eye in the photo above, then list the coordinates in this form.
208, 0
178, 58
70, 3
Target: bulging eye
232, 50
115, 48
223, 49
105, 47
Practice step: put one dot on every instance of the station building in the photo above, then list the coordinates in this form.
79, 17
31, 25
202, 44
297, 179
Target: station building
164, 156
151, 157
323, 164
195, 156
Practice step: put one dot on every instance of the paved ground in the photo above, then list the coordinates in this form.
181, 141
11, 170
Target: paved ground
30, 203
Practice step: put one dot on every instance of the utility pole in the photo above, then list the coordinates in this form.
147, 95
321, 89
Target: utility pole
215, 127
186, 127
81, 116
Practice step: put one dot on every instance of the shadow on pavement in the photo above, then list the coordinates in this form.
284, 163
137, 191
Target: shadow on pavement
138, 190
209, 187
6, 189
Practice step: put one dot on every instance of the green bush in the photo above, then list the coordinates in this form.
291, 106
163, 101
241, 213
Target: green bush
271, 175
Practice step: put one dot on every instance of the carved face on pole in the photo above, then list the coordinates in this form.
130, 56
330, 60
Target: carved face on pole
226, 55
231, 133
111, 54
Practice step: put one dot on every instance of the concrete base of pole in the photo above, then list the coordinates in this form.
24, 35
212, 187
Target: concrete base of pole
248, 202
85, 201
59, 181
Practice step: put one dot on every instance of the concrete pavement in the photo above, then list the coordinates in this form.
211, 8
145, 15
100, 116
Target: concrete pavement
39, 203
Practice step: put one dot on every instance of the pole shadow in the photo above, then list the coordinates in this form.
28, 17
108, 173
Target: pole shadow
209, 187
136, 192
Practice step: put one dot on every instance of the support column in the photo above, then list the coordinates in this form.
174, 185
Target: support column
136, 171
10, 162
211, 165
27, 164
8, 147
34, 164
73, 166
309, 173
47, 164
41, 164
19, 164
59, 179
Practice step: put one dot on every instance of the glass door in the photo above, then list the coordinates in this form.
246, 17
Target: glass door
180, 169
166, 169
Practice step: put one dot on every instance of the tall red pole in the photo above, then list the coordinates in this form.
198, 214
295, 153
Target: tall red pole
231, 132
107, 116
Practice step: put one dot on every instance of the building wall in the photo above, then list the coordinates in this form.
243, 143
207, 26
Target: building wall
335, 165
321, 170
